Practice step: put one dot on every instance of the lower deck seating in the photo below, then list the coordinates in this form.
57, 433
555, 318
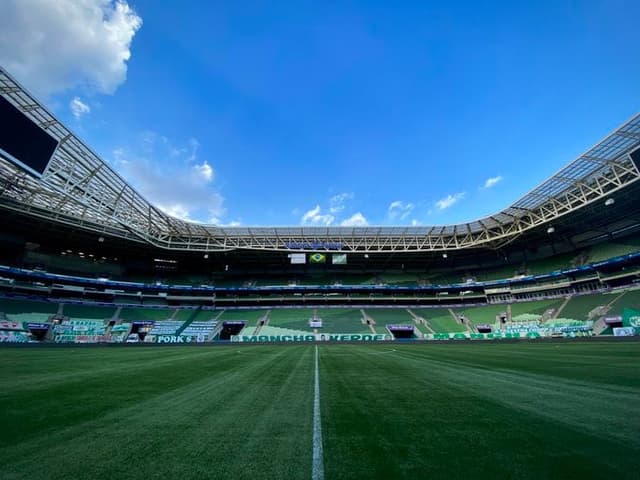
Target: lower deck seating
141, 314
120, 332
296, 319
200, 329
342, 320
440, 320
80, 331
18, 306
166, 327
29, 317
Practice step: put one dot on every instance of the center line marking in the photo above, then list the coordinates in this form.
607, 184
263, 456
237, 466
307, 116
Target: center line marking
318, 467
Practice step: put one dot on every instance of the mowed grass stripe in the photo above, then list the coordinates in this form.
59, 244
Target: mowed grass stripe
602, 362
579, 404
87, 383
228, 413
410, 414
317, 470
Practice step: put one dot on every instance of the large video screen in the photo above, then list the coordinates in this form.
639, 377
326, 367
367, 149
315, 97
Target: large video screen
22, 141
635, 156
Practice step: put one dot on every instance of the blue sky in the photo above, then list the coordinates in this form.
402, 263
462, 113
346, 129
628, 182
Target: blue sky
330, 113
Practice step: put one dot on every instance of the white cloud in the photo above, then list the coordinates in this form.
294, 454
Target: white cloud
217, 221
316, 217
175, 185
356, 220
194, 145
176, 210
205, 171
311, 214
337, 202
55, 45
400, 210
490, 182
78, 107
450, 200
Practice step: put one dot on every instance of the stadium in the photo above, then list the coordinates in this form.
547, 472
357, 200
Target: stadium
374, 352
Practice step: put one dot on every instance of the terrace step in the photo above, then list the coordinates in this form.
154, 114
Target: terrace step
599, 326
368, 320
558, 311
188, 320
465, 322
420, 321
261, 322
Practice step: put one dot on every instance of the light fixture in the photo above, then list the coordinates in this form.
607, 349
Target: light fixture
206, 255
609, 201
550, 230
444, 255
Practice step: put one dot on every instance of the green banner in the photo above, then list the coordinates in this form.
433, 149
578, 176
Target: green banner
314, 337
339, 259
480, 336
630, 317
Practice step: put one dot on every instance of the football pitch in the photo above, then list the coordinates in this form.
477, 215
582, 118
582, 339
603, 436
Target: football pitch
522, 410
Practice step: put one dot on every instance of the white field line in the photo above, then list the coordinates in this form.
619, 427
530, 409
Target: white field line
317, 472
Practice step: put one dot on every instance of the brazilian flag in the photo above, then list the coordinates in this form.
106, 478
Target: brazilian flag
317, 258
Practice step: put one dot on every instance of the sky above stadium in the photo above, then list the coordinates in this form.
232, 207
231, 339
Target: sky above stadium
330, 113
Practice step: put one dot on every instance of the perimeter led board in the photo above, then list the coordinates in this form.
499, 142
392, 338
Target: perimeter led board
22, 141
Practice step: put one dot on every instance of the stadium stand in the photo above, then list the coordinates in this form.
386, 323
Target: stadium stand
604, 251
587, 307
546, 308
294, 319
80, 331
120, 332
26, 306
88, 311
146, 313
250, 316
440, 320
385, 316
630, 298
341, 320
479, 315
166, 327
200, 329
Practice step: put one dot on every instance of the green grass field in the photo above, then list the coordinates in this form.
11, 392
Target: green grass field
523, 410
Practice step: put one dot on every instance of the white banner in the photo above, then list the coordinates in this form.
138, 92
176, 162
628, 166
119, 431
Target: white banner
298, 258
624, 331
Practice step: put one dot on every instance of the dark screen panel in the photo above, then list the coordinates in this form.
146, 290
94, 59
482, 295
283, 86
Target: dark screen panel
635, 156
23, 140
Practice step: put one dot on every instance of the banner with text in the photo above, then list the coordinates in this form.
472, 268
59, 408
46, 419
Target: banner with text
314, 337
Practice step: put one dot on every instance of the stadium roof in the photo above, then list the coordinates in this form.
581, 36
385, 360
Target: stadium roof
80, 189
